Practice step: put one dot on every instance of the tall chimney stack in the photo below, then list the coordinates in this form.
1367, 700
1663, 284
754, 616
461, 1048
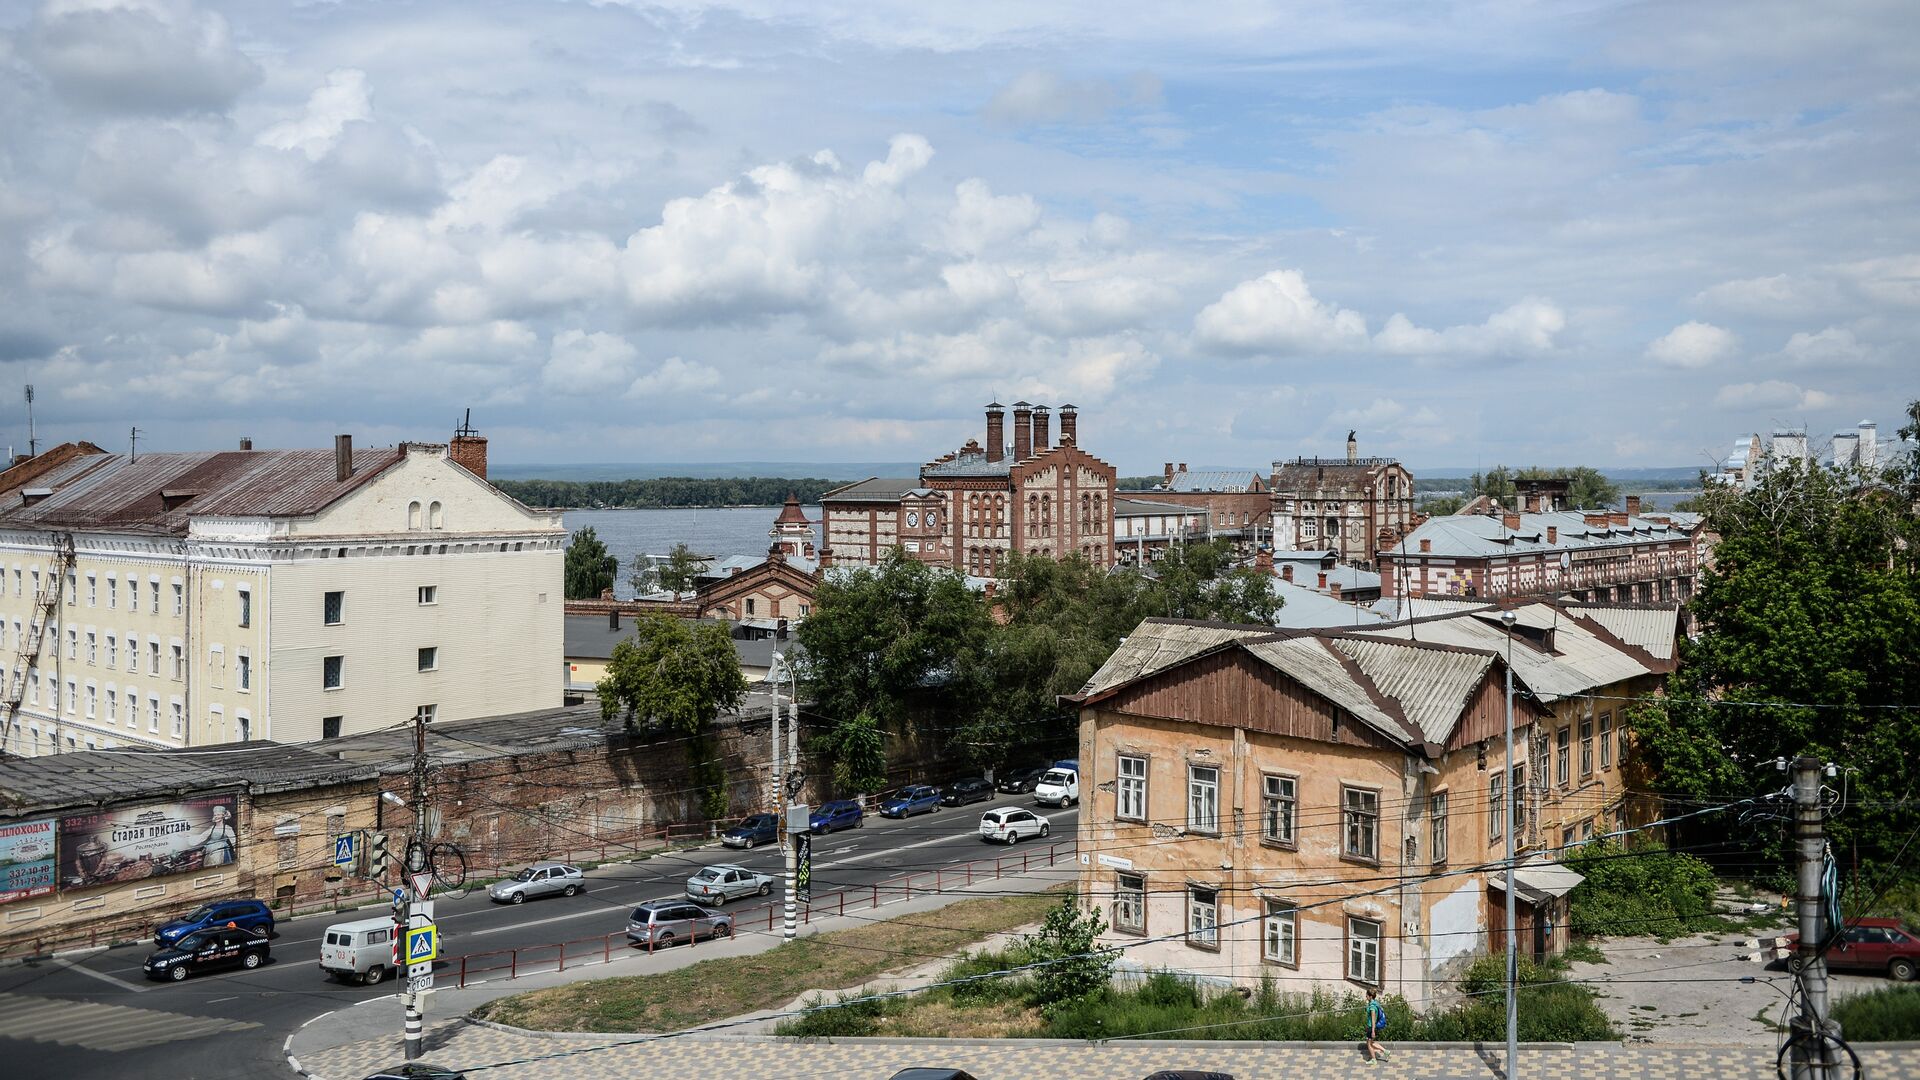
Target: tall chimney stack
1041, 422
1353, 448
1633, 506
469, 448
1069, 425
1169, 473
996, 431
342, 457
1022, 430
246, 443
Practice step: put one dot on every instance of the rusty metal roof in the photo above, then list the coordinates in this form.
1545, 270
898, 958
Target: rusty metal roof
1158, 644
159, 493
1432, 684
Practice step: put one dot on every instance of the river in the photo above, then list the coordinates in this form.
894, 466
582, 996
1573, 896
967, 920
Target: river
729, 530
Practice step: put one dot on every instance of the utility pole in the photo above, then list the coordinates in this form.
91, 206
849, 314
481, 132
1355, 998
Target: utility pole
789, 929
415, 1021
1507, 827
1813, 1057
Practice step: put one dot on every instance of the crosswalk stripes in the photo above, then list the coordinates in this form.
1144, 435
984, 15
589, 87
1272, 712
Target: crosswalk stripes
109, 1028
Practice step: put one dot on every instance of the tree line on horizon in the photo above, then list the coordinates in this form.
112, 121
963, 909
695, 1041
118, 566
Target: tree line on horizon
666, 492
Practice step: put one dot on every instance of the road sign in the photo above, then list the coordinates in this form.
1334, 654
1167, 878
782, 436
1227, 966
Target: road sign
420, 983
422, 883
399, 899
343, 850
423, 945
803, 864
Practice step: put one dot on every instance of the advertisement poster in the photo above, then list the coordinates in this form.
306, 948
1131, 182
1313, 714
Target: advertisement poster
137, 842
26, 860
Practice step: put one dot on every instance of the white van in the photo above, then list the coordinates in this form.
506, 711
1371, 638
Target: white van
1060, 787
360, 950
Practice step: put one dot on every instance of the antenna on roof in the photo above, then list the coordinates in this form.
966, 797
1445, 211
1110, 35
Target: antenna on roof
33, 444
466, 428
133, 443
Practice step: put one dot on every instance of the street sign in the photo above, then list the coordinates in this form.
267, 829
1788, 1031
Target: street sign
399, 900
422, 883
420, 983
343, 850
803, 866
423, 946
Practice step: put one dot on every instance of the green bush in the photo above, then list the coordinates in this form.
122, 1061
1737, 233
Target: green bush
1550, 1009
1075, 965
983, 991
1165, 990
852, 1016
1653, 892
1889, 1014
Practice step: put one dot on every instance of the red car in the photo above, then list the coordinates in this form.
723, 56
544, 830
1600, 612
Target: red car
1873, 945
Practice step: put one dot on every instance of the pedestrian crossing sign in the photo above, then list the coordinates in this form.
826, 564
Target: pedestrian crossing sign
423, 944
343, 850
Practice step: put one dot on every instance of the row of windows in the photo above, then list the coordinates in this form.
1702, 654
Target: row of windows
1279, 810
22, 578
1279, 927
333, 669
117, 704
333, 606
1563, 748
176, 653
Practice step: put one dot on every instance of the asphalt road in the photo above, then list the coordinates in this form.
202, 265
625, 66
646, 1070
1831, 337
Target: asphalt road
98, 1016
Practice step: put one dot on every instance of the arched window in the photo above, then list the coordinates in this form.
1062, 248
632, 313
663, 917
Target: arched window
436, 517
413, 515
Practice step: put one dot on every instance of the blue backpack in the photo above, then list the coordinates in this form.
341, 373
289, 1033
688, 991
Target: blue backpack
1376, 1017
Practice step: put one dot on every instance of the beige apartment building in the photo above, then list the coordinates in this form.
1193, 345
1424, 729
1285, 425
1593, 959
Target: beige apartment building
185, 599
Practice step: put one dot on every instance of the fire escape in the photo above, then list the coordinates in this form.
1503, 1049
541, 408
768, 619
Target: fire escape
28, 657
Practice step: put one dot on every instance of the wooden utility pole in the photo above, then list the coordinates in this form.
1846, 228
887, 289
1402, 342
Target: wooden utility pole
1814, 1031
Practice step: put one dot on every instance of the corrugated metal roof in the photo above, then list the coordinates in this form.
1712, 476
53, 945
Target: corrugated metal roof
100, 777
1431, 684
1309, 661
1472, 535
970, 465
1305, 608
1124, 507
1158, 644
1651, 628
1240, 480
1581, 662
873, 489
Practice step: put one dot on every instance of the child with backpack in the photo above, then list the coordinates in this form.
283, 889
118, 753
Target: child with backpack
1376, 1019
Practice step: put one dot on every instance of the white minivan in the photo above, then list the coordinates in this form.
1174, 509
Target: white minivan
1060, 787
360, 950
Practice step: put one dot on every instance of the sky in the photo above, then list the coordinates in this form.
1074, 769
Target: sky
1574, 232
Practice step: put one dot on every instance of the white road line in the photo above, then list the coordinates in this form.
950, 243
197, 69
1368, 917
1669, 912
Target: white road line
102, 976
974, 835
600, 911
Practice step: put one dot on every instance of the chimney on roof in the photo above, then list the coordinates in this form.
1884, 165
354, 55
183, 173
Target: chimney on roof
1617, 518
607, 595
1041, 422
246, 443
1069, 426
1286, 572
613, 618
826, 558
1553, 534
1510, 519
1533, 502
1426, 546
1323, 579
1336, 590
469, 448
1353, 448
342, 457
1022, 430
1168, 473
996, 431
1596, 519
1263, 561
1633, 506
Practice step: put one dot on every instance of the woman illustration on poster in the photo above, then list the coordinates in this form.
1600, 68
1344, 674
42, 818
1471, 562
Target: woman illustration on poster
218, 842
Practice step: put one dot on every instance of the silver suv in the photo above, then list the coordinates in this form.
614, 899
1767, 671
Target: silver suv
540, 879
660, 923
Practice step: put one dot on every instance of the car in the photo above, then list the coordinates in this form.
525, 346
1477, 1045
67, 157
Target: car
753, 830
1012, 824
932, 1074
836, 815
1019, 781
660, 923
910, 800
972, 789
1873, 945
360, 950
1060, 787
241, 913
417, 1070
719, 884
540, 879
206, 950
1188, 1074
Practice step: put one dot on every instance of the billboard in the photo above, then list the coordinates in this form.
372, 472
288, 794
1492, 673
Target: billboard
136, 842
26, 859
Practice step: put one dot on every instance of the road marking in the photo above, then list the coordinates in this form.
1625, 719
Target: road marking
923, 843
108, 1028
601, 911
123, 984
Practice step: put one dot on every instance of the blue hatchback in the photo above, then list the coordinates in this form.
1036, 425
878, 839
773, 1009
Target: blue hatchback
836, 815
914, 799
752, 831
247, 914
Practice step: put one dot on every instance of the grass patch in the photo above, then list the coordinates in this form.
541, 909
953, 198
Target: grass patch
1584, 952
1888, 1014
1659, 893
717, 989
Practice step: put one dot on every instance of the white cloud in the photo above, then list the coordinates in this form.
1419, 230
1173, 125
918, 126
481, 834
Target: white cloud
140, 56
588, 363
1277, 314
1046, 97
1769, 297
1833, 347
1771, 394
1528, 328
1693, 345
674, 378
342, 100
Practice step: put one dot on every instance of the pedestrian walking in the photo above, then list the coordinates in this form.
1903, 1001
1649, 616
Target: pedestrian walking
1376, 1017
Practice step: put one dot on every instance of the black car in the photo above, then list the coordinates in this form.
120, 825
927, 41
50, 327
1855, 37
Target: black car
205, 950
417, 1070
1020, 781
970, 790
932, 1074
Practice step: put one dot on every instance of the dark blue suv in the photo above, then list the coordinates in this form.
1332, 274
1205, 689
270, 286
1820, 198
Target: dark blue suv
836, 815
752, 831
247, 914
913, 799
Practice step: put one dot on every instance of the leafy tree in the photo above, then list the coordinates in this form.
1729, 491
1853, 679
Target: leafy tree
858, 750
589, 570
1590, 489
681, 570
1199, 581
1065, 943
672, 677
1442, 505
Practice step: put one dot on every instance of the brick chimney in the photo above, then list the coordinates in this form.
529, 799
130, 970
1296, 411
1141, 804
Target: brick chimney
1042, 422
1335, 587
1323, 579
1263, 561
826, 558
996, 431
1022, 430
1596, 518
1168, 474
1510, 519
1286, 571
1426, 546
246, 444
1553, 534
1533, 502
1069, 426
342, 457
469, 448
613, 618
1617, 518
1633, 506
1353, 448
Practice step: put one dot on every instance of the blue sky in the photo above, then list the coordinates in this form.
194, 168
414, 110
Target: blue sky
1576, 232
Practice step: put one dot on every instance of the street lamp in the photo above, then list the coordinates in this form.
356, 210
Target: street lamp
391, 798
1513, 794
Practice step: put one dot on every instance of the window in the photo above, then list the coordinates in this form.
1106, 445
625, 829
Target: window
429, 658
1278, 804
1562, 755
133, 594
93, 648
1130, 903
1566, 839
750, 603
113, 591
113, 651
179, 719
1586, 749
1360, 813
413, 515
330, 671
1203, 798
246, 607
179, 598
436, 517
73, 696
133, 708
113, 705
153, 590
73, 644
1496, 807
93, 702
334, 609
1606, 740
425, 713
1519, 792
1363, 951
243, 726
73, 588
330, 727
1203, 917
1280, 938
153, 715
179, 663
1586, 831
1130, 788
93, 590
243, 671
1622, 731
429, 594
1437, 821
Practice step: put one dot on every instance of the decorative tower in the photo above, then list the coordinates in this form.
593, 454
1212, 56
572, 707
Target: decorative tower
792, 533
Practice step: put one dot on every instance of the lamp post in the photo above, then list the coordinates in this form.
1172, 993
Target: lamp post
1513, 958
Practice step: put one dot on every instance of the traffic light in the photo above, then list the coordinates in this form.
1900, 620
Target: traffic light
377, 855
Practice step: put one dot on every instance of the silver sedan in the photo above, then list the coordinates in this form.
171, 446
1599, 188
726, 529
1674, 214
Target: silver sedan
719, 884
540, 879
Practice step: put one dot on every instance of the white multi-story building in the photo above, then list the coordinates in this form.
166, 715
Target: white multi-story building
182, 599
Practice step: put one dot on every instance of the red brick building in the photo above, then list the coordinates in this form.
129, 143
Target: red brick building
1355, 506
1236, 501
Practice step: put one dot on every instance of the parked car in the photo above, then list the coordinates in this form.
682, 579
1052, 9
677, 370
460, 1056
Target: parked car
206, 950
932, 1074
1019, 781
417, 1070
1873, 945
837, 815
362, 949
1188, 1074
719, 884
1011, 824
910, 800
969, 790
540, 879
240, 913
753, 830
661, 923
1060, 787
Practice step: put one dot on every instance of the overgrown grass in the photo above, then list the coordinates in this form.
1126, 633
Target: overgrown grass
1888, 1014
717, 989
1584, 952
1657, 893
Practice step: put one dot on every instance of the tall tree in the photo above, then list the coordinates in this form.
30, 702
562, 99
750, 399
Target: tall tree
673, 678
1589, 490
681, 570
588, 569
